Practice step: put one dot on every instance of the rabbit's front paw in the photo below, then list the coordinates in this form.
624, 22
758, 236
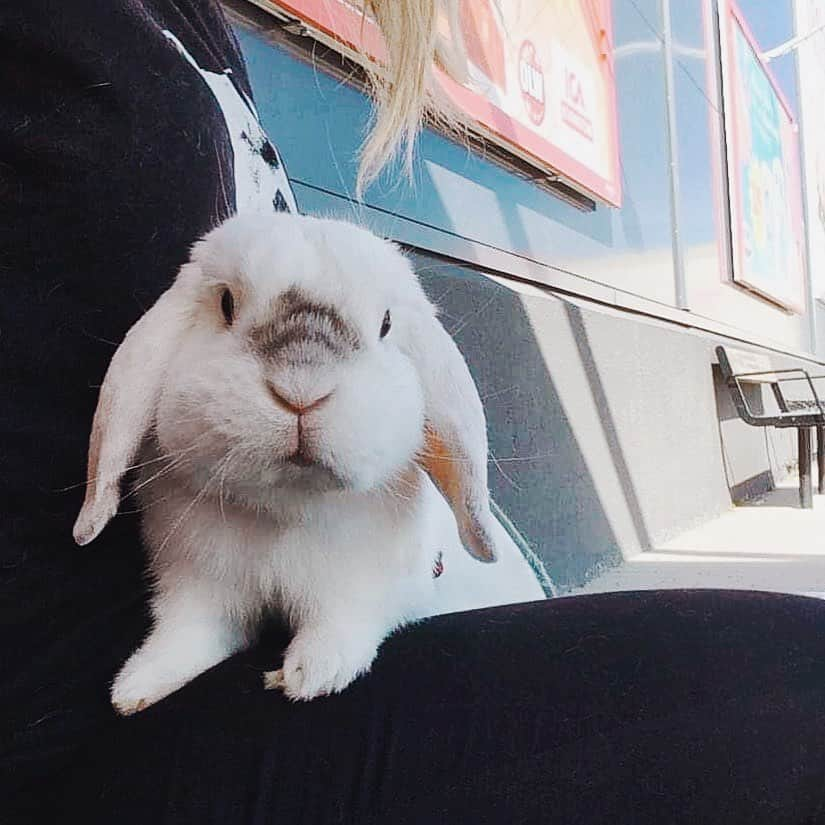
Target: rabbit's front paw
316, 665
156, 670
138, 685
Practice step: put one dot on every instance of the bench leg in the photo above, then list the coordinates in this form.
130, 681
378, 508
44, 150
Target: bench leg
820, 458
806, 497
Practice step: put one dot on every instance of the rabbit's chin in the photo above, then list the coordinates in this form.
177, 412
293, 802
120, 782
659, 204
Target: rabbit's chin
310, 478
270, 489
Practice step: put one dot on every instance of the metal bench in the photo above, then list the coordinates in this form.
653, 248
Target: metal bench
740, 369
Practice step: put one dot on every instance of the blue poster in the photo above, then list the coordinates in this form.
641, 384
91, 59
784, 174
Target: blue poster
766, 239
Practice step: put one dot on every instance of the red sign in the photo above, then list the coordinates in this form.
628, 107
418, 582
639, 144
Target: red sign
541, 79
531, 78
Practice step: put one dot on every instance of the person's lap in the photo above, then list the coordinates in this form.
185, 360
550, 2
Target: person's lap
638, 707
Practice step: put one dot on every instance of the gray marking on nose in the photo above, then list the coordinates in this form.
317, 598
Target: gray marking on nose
301, 329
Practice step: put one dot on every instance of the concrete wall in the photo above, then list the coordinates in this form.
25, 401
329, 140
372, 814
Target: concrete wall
609, 433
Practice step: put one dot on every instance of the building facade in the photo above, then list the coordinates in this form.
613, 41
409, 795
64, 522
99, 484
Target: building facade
589, 313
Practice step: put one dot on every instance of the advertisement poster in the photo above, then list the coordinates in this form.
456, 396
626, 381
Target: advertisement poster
767, 228
541, 79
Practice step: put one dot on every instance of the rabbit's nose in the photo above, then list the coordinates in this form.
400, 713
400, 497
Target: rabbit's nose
297, 406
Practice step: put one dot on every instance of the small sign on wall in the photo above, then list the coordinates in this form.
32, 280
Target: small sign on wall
541, 82
764, 176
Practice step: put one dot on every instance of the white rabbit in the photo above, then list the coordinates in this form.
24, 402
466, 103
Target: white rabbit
291, 399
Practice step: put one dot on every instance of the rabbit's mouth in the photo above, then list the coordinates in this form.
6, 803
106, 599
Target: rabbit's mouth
304, 453
302, 457
306, 471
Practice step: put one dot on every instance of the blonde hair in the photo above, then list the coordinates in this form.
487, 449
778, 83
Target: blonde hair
404, 90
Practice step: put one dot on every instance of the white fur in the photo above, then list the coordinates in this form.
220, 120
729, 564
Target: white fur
343, 548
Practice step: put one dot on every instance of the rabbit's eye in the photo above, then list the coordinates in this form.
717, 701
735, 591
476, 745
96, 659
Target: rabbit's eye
228, 306
386, 324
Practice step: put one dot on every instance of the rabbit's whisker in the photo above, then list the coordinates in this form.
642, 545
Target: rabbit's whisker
423, 454
518, 458
396, 489
223, 467
172, 465
188, 509
458, 328
503, 474
498, 393
178, 459
511, 459
125, 470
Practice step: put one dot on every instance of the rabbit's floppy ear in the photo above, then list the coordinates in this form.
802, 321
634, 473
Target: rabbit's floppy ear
127, 400
455, 448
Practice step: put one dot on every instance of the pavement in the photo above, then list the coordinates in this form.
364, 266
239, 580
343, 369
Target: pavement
767, 544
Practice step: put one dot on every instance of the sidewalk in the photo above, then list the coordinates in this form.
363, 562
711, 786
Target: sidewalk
767, 544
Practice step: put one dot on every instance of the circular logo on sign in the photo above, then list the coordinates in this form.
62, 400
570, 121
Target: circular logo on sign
531, 79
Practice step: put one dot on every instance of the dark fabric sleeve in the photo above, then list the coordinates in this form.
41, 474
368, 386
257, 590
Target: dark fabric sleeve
660, 707
114, 158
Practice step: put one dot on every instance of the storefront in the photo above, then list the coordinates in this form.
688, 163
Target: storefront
639, 198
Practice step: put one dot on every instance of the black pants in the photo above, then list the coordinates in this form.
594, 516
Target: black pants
658, 707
